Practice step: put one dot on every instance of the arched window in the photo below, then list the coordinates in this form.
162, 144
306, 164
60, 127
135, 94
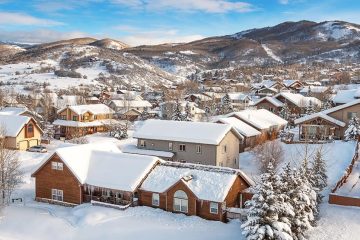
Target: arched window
30, 128
180, 201
29, 133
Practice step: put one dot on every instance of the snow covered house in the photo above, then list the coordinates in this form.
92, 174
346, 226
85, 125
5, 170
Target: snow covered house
19, 111
78, 120
262, 120
296, 103
129, 109
249, 133
328, 124
292, 85
91, 172
320, 92
239, 100
195, 190
198, 98
19, 132
192, 142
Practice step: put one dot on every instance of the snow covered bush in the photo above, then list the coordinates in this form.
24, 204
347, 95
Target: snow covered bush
118, 131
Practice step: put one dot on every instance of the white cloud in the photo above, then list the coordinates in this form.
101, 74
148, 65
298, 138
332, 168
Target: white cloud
135, 36
211, 6
14, 18
38, 36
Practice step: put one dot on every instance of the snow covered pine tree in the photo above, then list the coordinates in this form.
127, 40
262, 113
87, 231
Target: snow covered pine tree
177, 116
318, 174
268, 214
353, 130
226, 104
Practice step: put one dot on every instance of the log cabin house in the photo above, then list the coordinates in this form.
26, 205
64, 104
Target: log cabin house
20, 132
91, 172
328, 124
79, 120
195, 190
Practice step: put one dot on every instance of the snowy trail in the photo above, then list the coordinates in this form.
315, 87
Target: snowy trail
270, 53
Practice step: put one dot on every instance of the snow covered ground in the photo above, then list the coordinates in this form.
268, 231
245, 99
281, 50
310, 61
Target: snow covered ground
33, 220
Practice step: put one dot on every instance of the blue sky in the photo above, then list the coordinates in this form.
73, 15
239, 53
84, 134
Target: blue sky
158, 21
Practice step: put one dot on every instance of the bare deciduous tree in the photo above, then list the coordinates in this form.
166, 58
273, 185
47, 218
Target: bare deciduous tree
10, 173
267, 152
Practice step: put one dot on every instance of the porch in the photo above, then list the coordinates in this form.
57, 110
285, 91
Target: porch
104, 196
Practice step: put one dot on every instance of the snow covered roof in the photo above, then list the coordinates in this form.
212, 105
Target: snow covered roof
104, 165
319, 115
13, 110
96, 123
337, 108
259, 118
202, 97
131, 103
314, 89
132, 148
346, 96
238, 96
242, 127
272, 100
93, 108
298, 99
182, 131
13, 124
289, 82
209, 183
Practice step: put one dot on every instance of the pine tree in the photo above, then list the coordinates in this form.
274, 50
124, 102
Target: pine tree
177, 116
318, 173
267, 216
353, 130
145, 114
310, 108
187, 115
285, 111
226, 104
326, 105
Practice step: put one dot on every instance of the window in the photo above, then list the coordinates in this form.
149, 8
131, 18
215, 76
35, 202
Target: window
30, 128
214, 208
29, 131
170, 146
180, 201
155, 199
63, 117
198, 148
57, 194
57, 166
75, 118
224, 150
182, 148
351, 115
142, 143
271, 109
95, 117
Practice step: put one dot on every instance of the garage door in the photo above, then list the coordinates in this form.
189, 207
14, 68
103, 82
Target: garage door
23, 145
33, 142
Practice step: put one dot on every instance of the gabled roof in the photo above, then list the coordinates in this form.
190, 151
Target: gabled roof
260, 118
289, 82
92, 108
320, 115
346, 96
13, 124
340, 107
13, 110
238, 96
206, 182
183, 131
271, 100
298, 99
104, 165
242, 127
131, 103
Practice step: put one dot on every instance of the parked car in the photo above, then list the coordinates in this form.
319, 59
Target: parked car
38, 148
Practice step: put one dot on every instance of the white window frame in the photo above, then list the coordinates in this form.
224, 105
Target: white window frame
57, 194
57, 166
142, 143
198, 149
155, 199
181, 203
182, 147
171, 146
214, 207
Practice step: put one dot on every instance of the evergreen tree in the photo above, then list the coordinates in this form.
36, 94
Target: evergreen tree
267, 216
187, 115
226, 105
177, 116
310, 108
145, 114
353, 130
326, 105
318, 173
285, 111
